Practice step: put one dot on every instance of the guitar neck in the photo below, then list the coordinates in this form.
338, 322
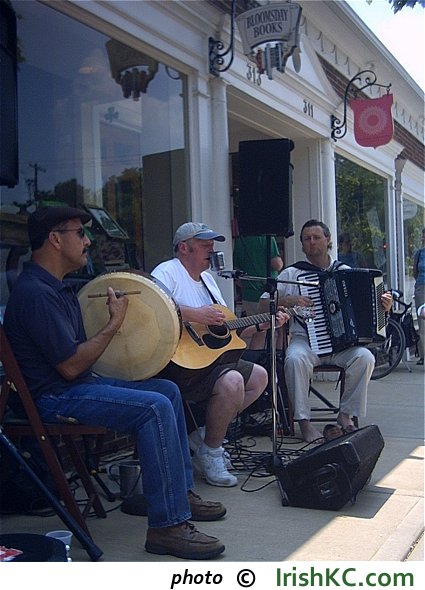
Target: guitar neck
251, 320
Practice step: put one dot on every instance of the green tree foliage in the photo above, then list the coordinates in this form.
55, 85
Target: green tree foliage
397, 5
361, 210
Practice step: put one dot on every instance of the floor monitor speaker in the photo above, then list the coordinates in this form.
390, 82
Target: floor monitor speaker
265, 187
330, 475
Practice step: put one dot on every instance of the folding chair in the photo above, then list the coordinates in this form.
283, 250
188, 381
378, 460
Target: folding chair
43, 432
328, 406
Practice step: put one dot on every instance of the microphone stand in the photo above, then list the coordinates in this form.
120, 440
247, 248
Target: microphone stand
271, 287
275, 463
93, 550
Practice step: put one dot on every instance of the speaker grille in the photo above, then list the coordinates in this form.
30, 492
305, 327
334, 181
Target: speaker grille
265, 187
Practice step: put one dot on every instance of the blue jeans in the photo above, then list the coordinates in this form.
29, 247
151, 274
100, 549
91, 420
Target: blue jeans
152, 412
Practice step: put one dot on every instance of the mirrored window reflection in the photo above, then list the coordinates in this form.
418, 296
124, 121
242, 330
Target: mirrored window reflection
362, 231
413, 224
101, 124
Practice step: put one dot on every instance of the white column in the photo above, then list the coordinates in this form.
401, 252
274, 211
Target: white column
219, 206
328, 196
398, 244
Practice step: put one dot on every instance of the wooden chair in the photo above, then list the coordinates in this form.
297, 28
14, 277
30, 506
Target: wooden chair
43, 432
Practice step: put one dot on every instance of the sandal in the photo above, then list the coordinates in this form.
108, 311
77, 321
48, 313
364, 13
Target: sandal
332, 431
349, 428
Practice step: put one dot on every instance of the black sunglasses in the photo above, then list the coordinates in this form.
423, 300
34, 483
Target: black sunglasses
81, 232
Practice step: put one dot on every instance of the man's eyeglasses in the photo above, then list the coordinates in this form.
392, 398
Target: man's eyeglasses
81, 232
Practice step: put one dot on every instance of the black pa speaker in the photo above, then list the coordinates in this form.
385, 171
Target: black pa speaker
8, 94
265, 188
332, 474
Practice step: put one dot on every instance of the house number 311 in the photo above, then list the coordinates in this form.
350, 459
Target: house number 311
308, 108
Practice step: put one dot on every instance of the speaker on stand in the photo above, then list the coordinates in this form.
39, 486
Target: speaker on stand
265, 188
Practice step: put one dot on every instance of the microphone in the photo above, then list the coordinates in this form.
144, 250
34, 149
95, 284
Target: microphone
217, 261
231, 274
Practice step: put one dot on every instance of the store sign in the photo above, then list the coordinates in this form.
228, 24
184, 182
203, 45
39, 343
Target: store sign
274, 23
373, 121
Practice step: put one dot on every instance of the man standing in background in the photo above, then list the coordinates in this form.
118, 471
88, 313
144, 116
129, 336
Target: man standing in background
250, 256
419, 275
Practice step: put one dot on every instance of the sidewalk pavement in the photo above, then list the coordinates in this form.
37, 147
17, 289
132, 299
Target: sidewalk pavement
386, 522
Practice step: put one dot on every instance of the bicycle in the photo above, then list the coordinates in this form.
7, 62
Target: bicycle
389, 352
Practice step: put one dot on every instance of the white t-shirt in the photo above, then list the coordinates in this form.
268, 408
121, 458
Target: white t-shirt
185, 290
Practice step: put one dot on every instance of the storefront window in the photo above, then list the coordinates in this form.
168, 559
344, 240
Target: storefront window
413, 223
361, 217
101, 124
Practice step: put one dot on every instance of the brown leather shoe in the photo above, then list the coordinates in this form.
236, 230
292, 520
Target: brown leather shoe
205, 509
183, 540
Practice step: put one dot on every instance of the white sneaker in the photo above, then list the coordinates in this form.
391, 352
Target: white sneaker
197, 437
213, 468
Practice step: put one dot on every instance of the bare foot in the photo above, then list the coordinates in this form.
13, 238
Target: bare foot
309, 433
346, 422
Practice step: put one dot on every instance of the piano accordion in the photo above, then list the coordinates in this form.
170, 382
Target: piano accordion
348, 308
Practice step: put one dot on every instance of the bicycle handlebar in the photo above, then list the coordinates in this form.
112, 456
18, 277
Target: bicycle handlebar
397, 295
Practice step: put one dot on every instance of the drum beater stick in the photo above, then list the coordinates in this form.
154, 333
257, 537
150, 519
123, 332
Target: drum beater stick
117, 294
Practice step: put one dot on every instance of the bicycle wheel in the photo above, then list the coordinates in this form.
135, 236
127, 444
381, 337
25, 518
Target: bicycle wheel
388, 353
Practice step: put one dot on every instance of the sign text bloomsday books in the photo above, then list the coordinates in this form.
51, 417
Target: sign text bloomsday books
273, 22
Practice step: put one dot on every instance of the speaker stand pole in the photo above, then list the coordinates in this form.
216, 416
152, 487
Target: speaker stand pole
271, 286
274, 461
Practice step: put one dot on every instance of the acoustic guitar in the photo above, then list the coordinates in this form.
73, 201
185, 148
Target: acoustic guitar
200, 346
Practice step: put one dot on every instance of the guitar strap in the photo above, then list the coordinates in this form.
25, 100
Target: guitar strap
213, 299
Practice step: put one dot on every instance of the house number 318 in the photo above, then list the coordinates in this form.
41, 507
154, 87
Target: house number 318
253, 75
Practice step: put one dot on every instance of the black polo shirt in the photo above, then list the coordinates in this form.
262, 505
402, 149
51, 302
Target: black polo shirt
44, 325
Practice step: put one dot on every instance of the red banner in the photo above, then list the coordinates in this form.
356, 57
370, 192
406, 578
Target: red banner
373, 121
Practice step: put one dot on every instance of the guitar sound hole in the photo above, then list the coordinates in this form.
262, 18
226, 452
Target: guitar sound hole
212, 341
217, 337
219, 331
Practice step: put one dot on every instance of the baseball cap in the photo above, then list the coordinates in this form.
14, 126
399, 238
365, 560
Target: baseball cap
192, 229
44, 219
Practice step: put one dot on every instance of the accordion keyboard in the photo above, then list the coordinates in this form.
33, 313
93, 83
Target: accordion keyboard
348, 310
317, 330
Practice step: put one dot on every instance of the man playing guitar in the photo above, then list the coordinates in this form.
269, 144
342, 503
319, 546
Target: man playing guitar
228, 385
